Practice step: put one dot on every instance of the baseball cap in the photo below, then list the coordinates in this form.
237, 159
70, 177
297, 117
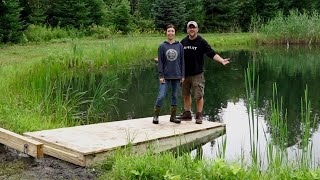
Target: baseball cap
192, 23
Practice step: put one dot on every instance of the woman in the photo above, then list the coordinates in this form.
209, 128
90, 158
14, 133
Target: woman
171, 71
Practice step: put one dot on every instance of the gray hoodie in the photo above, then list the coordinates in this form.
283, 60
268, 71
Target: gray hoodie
171, 60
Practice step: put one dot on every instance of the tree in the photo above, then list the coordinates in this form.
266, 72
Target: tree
246, 11
37, 15
72, 13
267, 9
144, 7
304, 5
169, 12
221, 15
120, 16
10, 24
194, 11
97, 12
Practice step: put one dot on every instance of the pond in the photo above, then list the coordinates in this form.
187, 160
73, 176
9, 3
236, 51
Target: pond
291, 68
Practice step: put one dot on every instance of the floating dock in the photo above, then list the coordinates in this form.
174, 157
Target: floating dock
84, 145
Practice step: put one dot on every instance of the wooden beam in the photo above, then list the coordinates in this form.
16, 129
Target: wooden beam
21, 143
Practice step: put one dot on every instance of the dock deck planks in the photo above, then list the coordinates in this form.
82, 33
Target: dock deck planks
83, 145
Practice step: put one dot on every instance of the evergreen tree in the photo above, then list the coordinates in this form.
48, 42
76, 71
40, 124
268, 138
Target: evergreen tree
194, 11
97, 12
169, 12
267, 9
10, 25
37, 15
246, 11
285, 6
120, 16
304, 5
144, 7
25, 11
221, 15
72, 13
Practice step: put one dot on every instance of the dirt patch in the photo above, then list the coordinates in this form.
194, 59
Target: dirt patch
15, 165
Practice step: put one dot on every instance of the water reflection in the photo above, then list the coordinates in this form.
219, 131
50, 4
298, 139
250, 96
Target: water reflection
292, 69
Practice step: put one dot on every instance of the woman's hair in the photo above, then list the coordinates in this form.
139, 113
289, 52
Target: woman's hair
170, 26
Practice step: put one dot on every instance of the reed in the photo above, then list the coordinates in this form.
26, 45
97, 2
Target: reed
296, 28
252, 95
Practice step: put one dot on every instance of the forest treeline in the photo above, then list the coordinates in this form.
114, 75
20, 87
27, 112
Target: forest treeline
124, 16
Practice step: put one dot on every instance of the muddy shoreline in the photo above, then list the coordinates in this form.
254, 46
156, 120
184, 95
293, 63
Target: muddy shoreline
16, 165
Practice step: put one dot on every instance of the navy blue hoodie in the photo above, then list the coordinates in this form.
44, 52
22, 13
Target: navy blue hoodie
171, 60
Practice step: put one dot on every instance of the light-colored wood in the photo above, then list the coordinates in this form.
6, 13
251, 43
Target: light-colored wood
83, 145
65, 155
180, 143
21, 143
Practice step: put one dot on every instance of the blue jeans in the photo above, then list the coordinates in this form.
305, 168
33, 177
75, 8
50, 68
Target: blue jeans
163, 91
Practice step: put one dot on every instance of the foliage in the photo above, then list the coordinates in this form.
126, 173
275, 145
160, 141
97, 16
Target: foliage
118, 15
38, 33
125, 165
195, 11
10, 25
221, 16
169, 12
295, 28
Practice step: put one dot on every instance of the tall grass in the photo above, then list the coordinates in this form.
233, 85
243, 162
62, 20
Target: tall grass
308, 124
64, 90
296, 28
252, 95
36, 33
125, 165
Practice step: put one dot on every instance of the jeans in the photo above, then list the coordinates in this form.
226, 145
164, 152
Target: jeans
163, 91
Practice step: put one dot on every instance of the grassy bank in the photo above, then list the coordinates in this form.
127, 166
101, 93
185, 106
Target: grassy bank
296, 28
168, 166
51, 85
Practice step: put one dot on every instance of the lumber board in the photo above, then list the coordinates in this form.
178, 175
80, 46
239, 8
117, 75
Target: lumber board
21, 143
181, 143
84, 145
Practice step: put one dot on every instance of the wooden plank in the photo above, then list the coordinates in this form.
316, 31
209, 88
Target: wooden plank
77, 159
83, 145
21, 143
184, 142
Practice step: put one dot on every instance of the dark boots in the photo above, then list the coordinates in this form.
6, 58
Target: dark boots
173, 117
156, 115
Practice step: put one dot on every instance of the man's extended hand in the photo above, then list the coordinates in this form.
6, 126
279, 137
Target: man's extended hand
225, 61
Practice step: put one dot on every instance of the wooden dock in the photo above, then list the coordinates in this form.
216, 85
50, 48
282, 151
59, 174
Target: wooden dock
83, 145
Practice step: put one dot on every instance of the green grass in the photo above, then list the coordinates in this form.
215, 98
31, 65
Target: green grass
144, 46
296, 28
124, 165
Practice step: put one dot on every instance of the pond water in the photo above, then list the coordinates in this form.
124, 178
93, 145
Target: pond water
225, 97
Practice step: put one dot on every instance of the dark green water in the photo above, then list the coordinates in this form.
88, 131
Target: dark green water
225, 95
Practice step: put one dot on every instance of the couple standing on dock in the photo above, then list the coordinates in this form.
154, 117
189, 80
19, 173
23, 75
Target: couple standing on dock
182, 64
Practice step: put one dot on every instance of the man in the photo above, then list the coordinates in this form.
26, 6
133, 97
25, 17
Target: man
195, 47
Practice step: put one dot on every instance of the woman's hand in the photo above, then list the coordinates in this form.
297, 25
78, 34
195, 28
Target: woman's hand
162, 81
181, 81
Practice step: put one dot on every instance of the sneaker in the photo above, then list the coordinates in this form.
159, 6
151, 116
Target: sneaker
186, 116
198, 118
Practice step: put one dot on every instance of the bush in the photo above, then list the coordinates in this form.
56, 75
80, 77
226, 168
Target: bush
41, 33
